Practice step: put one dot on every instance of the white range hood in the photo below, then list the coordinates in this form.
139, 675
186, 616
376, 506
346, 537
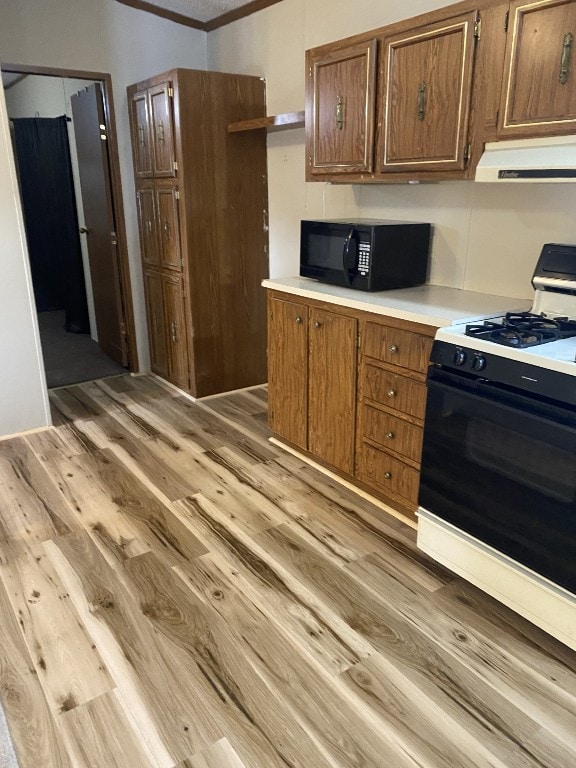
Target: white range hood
551, 159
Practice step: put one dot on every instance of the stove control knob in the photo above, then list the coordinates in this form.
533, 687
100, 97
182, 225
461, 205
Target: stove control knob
478, 363
459, 356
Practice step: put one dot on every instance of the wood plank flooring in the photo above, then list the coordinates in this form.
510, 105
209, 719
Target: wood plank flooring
176, 592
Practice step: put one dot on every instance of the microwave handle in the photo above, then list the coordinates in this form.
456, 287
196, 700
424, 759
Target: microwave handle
346, 256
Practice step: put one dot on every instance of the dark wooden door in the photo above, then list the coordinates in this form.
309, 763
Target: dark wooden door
342, 101
288, 370
332, 388
156, 323
141, 141
168, 227
424, 104
148, 226
176, 328
539, 94
94, 168
162, 130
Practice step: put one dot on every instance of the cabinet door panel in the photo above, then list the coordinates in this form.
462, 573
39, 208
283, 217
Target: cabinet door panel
147, 225
539, 98
168, 228
288, 370
176, 328
140, 123
156, 323
342, 95
162, 130
426, 97
332, 388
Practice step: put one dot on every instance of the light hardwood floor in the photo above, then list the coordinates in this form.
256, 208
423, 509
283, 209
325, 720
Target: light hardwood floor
177, 592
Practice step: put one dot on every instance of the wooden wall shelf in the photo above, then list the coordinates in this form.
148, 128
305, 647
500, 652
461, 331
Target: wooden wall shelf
271, 123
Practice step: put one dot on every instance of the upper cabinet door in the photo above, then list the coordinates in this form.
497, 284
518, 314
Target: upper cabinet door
426, 78
162, 130
340, 102
140, 120
539, 93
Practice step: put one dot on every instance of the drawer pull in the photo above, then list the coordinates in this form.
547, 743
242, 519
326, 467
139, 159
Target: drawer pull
387, 475
391, 393
390, 435
393, 348
298, 320
317, 324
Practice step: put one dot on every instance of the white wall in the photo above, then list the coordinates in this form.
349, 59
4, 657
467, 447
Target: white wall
50, 97
23, 401
487, 236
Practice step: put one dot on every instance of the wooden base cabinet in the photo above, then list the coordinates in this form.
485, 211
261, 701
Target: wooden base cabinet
348, 389
202, 209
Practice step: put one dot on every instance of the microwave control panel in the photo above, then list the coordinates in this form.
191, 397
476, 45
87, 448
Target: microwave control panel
364, 258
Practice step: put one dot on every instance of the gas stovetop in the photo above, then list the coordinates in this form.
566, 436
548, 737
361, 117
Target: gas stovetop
523, 329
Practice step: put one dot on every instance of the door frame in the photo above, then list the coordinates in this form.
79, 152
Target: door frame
116, 184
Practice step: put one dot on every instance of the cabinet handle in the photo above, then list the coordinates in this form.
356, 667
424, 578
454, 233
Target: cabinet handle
160, 131
340, 112
298, 320
166, 227
387, 475
393, 348
390, 435
317, 324
141, 134
149, 226
391, 393
174, 336
155, 323
566, 55
422, 101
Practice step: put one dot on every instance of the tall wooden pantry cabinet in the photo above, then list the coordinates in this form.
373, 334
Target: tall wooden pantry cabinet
202, 210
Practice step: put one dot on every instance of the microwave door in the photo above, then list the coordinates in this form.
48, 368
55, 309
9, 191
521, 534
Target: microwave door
350, 256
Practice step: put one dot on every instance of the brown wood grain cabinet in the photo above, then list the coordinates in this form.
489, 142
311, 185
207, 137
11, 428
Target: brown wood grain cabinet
202, 209
539, 92
347, 388
340, 108
424, 102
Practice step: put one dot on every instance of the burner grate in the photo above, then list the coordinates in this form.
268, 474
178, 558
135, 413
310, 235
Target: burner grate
523, 329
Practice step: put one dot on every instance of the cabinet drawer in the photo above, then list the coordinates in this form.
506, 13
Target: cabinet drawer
391, 345
398, 392
388, 474
391, 432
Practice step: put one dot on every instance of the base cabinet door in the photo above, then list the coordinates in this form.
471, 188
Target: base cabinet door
177, 341
332, 388
156, 323
539, 93
288, 370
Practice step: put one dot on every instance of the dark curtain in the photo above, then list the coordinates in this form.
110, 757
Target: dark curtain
51, 219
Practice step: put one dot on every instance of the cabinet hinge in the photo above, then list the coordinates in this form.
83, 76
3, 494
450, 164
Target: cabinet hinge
175, 164
177, 194
171, 92
477, 29
467, 152
506, 20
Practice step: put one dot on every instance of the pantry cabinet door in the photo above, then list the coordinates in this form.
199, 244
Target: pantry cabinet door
168, 227
340, 103
539, 93
332, 388
162, 130
424, 104
146, 199
156, 323
176, 331
141, 140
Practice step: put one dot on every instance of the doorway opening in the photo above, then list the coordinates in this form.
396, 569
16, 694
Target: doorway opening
65, 148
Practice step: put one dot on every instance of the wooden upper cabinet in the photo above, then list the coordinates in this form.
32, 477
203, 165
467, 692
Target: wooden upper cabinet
539, 90
340, 103
162, 130
141, 142
424, 101
332, 366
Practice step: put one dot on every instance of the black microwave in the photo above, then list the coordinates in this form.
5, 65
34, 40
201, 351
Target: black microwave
365, 254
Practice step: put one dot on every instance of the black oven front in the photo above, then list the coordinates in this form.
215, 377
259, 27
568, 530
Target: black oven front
499, 463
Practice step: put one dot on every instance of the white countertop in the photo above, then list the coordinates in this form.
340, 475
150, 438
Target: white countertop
428, 304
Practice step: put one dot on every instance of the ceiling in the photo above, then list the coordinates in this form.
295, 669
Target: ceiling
201, 14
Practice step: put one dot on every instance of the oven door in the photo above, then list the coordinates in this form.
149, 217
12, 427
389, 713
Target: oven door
501, 466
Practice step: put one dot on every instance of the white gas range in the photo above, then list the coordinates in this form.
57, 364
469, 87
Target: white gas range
498, 479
